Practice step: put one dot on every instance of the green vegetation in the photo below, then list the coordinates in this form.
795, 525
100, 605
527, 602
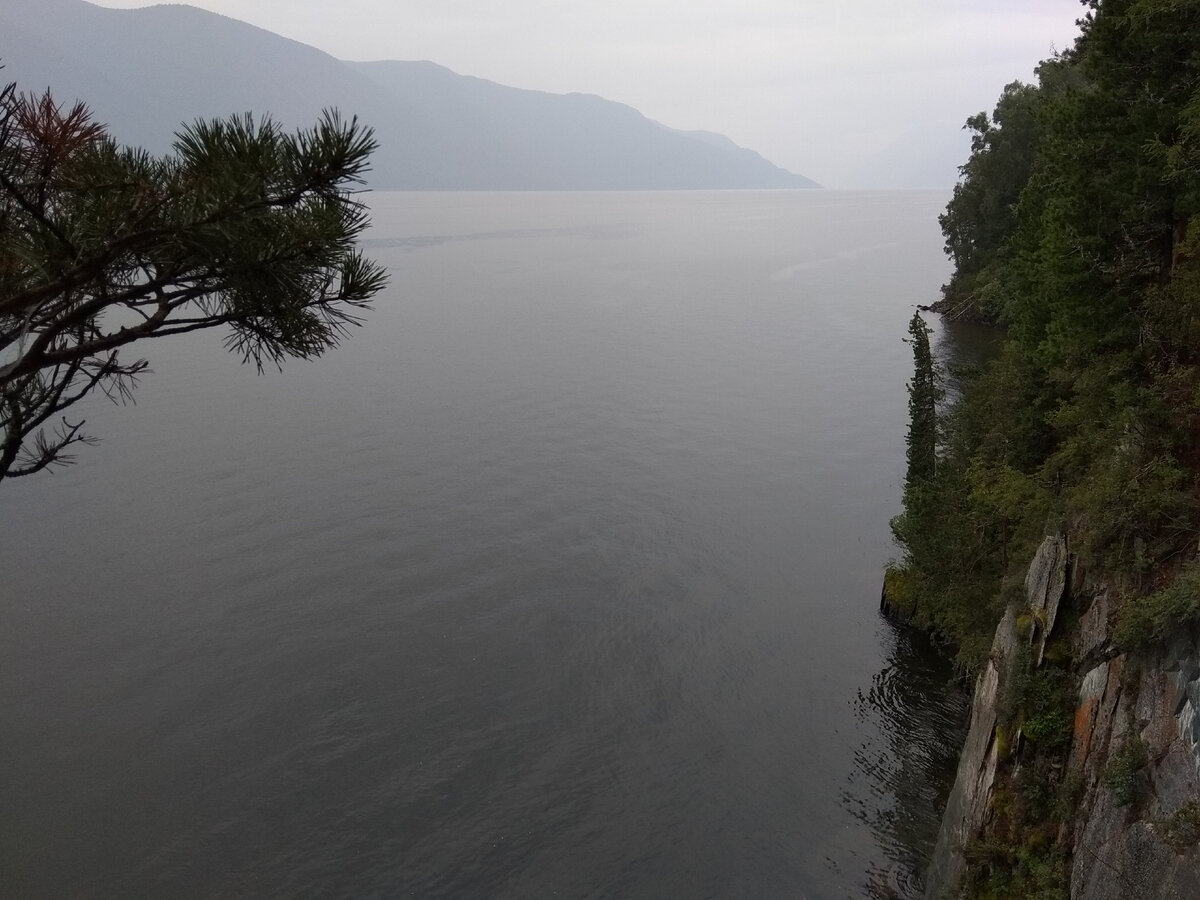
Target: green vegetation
1121, 773
244, 227
1143, 621
1077, 228
924, 394
1021, 854
1018, 873
1181, 830
920, 501
923, 397
982, 213
1048, 707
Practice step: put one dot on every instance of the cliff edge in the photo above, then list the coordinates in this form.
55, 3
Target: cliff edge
1119, 795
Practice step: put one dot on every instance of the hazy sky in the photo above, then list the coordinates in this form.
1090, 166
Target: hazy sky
816, 86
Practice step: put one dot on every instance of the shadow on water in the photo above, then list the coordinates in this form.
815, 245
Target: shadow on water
961, 348
918, 710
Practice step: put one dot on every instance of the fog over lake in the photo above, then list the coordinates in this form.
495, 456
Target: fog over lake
559, 578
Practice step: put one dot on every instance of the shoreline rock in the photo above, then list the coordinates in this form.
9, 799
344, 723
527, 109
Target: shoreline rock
1134, 756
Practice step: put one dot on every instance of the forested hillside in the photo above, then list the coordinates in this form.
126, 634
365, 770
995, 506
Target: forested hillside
1075, 228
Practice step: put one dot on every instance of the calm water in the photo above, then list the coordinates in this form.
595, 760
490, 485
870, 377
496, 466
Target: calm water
559, 579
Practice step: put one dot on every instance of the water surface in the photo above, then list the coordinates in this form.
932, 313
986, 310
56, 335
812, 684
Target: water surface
558, 579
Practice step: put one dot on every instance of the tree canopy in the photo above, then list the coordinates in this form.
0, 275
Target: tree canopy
243, 227
1077, 226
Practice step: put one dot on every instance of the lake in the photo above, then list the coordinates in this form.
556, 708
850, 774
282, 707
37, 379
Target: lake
558, 579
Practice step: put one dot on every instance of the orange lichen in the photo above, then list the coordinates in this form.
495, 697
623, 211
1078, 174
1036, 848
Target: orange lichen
1085, 719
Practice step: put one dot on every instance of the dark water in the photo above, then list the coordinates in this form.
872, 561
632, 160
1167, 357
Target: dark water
919, 708
558, 580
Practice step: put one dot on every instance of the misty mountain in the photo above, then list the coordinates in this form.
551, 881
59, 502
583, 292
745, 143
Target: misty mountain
145, 72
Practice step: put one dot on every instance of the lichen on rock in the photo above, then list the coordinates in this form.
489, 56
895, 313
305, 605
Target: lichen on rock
1132, 770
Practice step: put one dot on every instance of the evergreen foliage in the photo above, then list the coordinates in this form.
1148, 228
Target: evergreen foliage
1142, 621
982, 212
1077, 226
923, 397
1181, 830
243, 227
1121, 774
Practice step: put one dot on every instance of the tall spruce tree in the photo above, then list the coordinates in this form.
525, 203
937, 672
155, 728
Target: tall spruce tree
924, 393
923, 396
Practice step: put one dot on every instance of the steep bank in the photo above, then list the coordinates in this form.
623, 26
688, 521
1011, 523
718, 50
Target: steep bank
1129, 782
1076, 227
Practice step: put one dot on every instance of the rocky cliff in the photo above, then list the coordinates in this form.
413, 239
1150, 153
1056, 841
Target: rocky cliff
1125, 820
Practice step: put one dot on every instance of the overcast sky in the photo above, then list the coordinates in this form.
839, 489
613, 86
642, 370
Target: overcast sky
816, 86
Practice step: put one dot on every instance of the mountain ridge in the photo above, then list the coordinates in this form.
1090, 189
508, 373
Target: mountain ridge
437, 129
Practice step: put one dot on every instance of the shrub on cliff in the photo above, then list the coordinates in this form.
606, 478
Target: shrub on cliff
1142, 622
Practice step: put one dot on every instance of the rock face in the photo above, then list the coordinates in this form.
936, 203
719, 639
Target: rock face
1045, 584
1131, 849
969, 802
1134, 757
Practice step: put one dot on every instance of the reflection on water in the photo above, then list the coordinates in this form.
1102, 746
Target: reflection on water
961, 347
917, 704
919, 710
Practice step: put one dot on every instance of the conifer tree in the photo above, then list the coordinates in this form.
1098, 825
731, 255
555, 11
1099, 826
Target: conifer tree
244, 227
913, 527
923, 396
